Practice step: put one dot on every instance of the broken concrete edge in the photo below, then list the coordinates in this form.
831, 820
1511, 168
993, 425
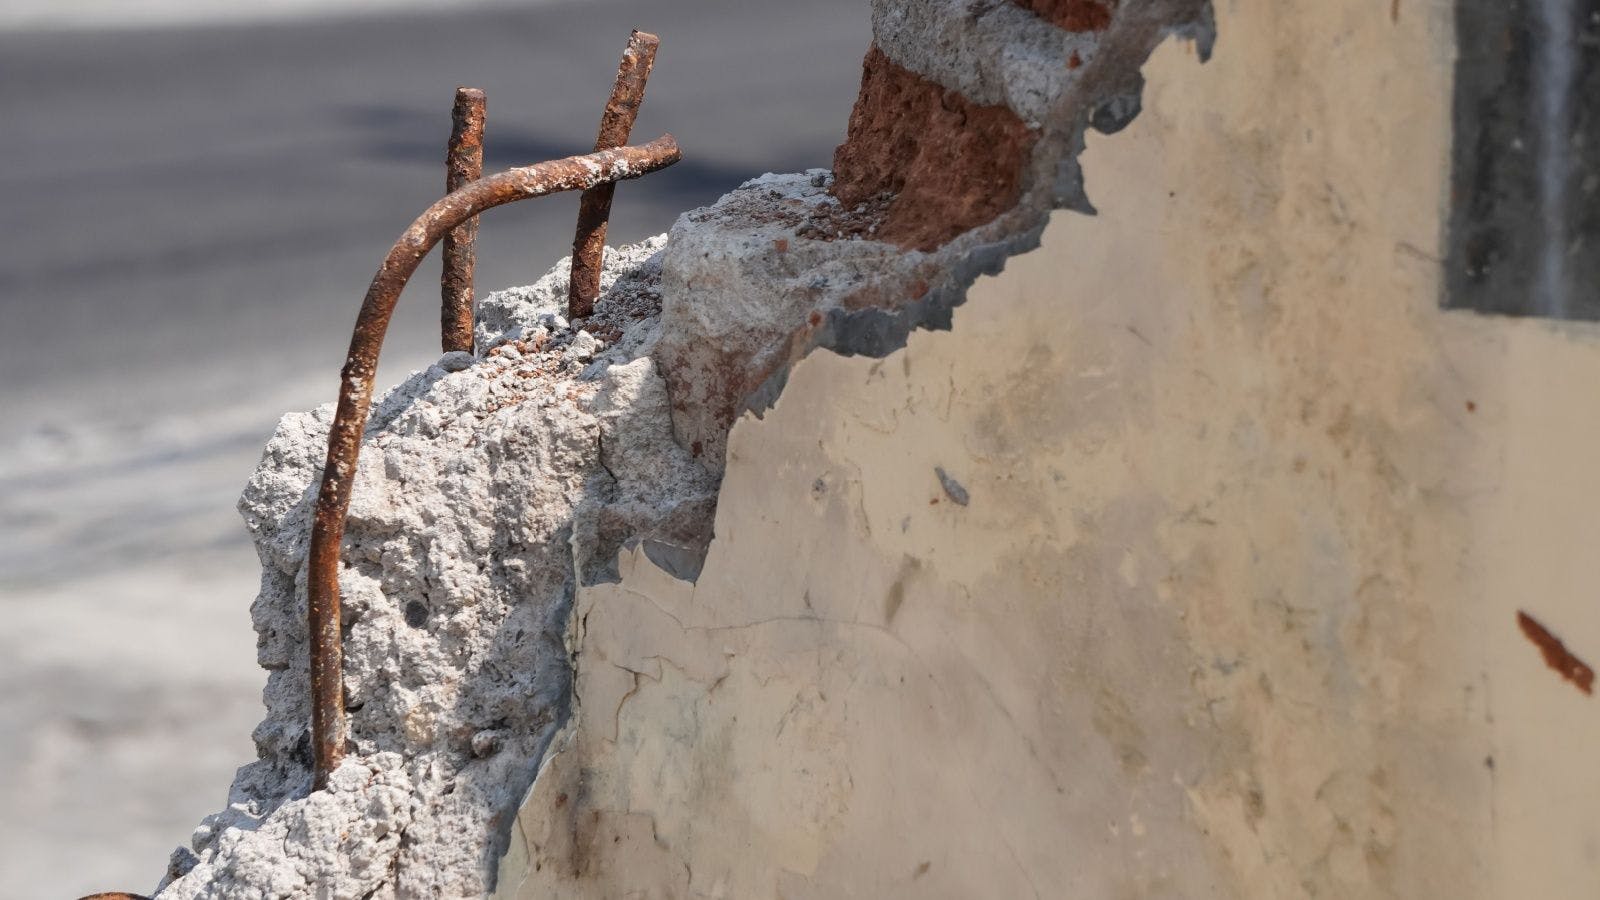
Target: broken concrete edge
491, 485
1120, 669
514, 863
1106, 98
831, 282
876, 331
534, 458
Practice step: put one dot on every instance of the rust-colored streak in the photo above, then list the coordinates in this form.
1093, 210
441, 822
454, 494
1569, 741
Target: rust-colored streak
463, 163
355, 397
1556, 654
1072, 15
935, 163
115, 895
594, 209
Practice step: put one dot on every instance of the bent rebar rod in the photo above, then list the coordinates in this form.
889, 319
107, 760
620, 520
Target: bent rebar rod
575, 173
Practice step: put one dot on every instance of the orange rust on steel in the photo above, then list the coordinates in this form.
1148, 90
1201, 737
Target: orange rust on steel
594, 209
355, 397
1556, 655
463, 163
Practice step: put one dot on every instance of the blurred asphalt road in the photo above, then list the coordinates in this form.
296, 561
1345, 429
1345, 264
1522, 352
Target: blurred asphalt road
190, 219
195, 211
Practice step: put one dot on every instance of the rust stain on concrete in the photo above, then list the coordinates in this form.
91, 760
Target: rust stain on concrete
1556, 654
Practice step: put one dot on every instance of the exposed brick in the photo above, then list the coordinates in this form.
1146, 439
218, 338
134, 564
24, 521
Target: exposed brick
1072, 15
944, 164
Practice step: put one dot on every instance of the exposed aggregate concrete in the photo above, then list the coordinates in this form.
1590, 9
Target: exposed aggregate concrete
488, 488
491, 486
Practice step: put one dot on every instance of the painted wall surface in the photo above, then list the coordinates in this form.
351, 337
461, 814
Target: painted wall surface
1218, 595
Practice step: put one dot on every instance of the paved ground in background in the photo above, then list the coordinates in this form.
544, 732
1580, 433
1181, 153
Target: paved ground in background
191, 217
101, 14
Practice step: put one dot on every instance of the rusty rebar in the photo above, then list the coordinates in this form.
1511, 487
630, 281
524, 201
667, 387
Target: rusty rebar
355, 397
463, 163
594, 209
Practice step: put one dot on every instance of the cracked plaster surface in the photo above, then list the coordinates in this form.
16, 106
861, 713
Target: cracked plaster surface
1204, 625
1230, 608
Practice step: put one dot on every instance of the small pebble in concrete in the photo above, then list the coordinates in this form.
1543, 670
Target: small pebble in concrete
455, 361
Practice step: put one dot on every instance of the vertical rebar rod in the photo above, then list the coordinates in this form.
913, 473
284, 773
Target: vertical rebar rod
463, 163
594, 209
575, 173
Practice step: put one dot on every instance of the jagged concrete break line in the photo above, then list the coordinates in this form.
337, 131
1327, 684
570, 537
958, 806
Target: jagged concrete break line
328, 727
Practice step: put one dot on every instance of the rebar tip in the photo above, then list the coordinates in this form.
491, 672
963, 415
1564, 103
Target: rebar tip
463, 164
594, 209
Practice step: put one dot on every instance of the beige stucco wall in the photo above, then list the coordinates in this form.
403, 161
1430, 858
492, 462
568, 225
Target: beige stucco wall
1231, 609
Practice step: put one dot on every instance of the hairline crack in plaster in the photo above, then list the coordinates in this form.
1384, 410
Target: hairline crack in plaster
493, 486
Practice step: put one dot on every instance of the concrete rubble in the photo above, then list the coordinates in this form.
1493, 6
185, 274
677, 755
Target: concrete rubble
486, 483
492, 486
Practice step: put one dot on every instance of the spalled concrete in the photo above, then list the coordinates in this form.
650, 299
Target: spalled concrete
1207, 573
1233, 606
757, 281
489, 489
492, 488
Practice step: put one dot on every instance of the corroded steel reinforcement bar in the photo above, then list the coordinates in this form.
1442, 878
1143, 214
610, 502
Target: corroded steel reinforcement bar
588, 246
355, 397
463, 163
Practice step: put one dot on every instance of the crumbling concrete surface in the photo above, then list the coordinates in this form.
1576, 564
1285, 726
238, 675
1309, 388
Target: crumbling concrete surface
488, 489
492, 488
964, 137
1236, 568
